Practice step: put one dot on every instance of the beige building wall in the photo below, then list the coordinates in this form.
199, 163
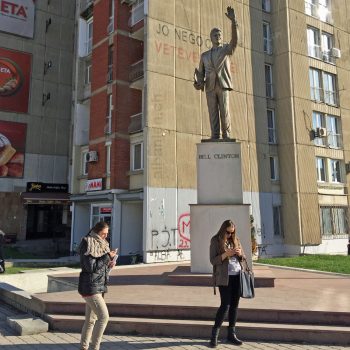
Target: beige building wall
176, 117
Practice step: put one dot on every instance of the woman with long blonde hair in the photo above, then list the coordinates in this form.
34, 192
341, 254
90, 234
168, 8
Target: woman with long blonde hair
225, 255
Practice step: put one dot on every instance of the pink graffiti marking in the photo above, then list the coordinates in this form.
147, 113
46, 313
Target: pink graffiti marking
183, 226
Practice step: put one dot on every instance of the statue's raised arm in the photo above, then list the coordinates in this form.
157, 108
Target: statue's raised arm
231, 15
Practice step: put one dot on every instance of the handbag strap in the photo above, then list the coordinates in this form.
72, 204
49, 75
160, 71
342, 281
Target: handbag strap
245, 263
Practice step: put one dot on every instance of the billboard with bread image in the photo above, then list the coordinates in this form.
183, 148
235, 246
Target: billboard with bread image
12, 148
15, 69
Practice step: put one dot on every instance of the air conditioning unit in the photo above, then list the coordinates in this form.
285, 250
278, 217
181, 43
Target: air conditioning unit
321, 132
91, 156
336, 52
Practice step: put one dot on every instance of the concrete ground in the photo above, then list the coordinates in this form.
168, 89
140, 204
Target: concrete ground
294, 290
70, 341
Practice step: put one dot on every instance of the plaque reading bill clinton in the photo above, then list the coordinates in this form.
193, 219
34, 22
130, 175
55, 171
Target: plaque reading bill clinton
214, 74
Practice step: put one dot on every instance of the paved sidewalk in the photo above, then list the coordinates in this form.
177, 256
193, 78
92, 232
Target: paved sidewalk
70, 341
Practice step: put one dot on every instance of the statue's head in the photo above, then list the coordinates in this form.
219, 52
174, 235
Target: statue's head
216, 36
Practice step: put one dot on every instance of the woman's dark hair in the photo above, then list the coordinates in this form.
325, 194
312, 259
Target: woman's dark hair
101, 225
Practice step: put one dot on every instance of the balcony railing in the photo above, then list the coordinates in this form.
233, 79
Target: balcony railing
136, 71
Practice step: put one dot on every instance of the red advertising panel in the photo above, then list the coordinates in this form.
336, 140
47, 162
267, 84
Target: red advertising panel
12, 148
15, 69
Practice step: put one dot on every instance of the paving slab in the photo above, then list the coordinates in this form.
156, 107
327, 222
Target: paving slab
27, 325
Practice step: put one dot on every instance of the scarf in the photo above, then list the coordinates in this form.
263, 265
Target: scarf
96, 246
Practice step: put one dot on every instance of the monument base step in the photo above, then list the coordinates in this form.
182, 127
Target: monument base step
182, 276
314, 334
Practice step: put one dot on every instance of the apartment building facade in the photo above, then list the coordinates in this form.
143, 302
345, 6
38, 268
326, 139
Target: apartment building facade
36, 51
138, 120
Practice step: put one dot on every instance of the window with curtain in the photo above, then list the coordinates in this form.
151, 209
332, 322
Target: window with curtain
313, 42
315, 84
329, 86
334, 221
321, 169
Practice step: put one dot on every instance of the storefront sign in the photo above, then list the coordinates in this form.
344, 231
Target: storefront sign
17, 17
12, 148
106, 210
39, 187
15, 70
94, 185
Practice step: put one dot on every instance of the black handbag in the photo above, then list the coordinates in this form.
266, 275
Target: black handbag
246, 281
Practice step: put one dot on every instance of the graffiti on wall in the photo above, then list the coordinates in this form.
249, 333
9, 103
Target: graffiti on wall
164, 255
185, 37
172, 238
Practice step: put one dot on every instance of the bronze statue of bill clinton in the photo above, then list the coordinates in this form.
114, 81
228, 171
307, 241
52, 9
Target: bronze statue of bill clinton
214, 74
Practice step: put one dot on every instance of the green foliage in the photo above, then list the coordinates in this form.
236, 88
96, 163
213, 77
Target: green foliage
13, 253
329, 263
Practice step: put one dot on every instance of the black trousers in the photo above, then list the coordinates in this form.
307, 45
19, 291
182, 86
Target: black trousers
229, 296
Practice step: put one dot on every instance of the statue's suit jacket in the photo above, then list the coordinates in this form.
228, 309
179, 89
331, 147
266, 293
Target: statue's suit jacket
215, 63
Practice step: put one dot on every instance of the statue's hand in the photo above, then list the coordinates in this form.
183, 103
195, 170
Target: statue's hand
231, 14
198, 86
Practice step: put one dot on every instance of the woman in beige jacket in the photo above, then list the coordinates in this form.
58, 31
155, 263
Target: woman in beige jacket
225, 255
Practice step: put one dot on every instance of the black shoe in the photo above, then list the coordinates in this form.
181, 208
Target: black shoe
232, 338
214, 337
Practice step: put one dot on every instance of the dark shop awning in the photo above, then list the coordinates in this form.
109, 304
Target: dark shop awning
45, 198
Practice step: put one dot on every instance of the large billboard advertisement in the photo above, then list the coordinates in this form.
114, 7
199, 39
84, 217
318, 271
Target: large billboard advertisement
12, 148
17, 17
15, 69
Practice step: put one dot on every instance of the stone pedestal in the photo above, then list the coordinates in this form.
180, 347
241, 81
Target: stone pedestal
220, 197
219, 173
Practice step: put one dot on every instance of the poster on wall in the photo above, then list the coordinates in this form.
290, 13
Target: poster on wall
17, 17
12, 148
15, 69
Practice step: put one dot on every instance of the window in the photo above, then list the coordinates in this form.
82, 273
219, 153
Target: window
271, 126
274, 168
89, 34
137, 12
268, 80
87, 79
267, 38
84, 163
277, 224
108, 158
315, 84
334, 132
318, 121
319, 9
323, 10
110, 64
334, 221
329, 84
266, 5
137, 156
335, 172
311, 7
108, 128
110, 27
321, 169
313, 42
327, 45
